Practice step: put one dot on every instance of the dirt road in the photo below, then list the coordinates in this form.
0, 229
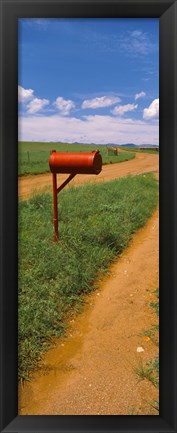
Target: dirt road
142, 163
92, 371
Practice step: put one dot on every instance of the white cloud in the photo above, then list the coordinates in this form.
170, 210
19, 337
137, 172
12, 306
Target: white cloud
121, 109
136, 33
89, 129
36, 105
140, 95
24, 94
152, 112
103, 101
137, 44
33, 104
64, 105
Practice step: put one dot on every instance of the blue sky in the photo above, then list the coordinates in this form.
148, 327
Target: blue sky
89, 80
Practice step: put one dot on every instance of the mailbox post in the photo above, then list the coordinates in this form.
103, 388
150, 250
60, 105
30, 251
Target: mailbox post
55, 207
73, 163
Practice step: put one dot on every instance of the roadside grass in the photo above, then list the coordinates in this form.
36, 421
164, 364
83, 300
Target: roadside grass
96, 223
33, 158
150, 370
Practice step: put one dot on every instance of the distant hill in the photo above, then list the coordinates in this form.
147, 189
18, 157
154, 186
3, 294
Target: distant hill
138, 146
131, 145
120, 145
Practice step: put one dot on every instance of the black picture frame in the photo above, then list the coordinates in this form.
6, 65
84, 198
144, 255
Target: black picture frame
166, 11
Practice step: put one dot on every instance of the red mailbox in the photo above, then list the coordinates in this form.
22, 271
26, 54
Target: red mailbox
73, 163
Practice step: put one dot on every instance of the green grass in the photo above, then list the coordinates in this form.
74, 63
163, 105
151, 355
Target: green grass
152, 333
33, 158
142, 150
150, 370
96, 223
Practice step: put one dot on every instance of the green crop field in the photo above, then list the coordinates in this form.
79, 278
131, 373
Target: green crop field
54, 277
33, 158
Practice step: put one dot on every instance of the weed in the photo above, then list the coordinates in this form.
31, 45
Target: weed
153, 334
150, 370
155, 405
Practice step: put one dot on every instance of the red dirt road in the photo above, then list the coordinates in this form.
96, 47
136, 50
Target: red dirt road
143, 162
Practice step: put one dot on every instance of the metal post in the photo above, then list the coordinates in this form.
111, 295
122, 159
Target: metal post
55, 208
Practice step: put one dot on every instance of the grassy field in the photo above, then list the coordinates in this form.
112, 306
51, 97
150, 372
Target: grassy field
142, 150
33, 158
53, 277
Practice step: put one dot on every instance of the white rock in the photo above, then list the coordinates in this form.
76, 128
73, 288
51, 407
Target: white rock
140, 349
